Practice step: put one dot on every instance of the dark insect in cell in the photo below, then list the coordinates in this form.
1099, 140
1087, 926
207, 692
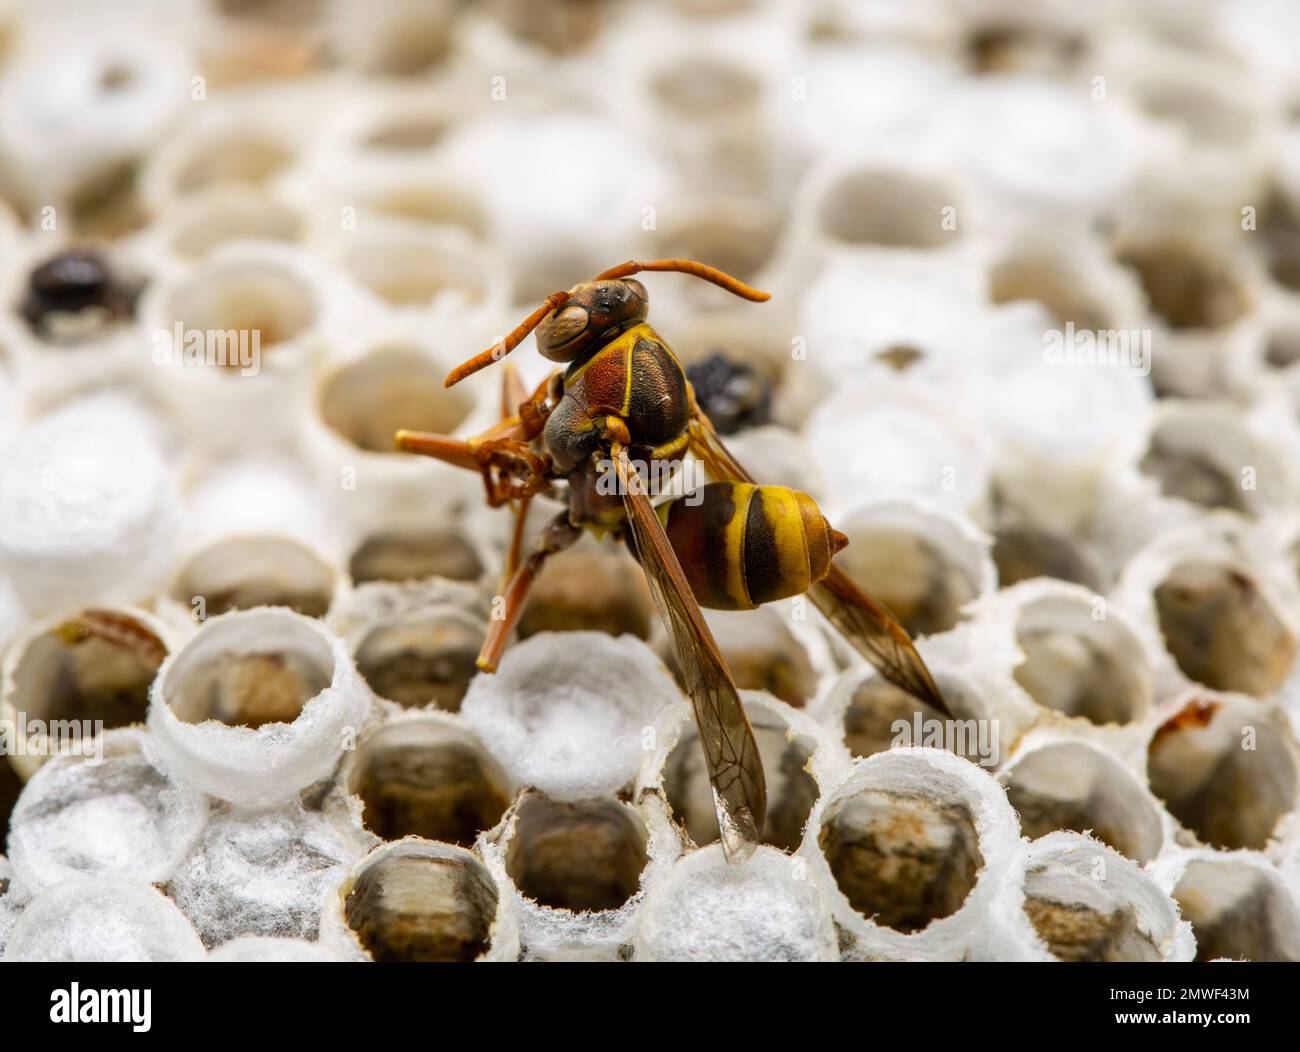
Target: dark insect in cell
734, 395
76, 293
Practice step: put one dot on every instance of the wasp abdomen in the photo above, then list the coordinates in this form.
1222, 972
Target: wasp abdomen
742, 545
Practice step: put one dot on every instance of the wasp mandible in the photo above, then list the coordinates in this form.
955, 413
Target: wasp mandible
623, 402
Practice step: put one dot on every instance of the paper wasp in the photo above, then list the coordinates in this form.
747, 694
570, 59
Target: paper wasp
624, 400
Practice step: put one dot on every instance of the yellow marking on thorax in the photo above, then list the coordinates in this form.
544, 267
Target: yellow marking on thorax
623, 342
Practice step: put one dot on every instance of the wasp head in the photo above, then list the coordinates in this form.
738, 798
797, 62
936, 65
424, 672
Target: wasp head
595, 312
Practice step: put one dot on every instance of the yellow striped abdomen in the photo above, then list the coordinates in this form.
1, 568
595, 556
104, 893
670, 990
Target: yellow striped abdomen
742, 545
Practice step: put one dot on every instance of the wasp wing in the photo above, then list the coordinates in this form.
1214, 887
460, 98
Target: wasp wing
735, 770
876, 635
866, 624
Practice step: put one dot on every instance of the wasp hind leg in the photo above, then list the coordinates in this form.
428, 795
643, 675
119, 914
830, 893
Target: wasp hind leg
508, 608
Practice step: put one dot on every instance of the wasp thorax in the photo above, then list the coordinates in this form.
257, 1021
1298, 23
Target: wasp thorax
595, 312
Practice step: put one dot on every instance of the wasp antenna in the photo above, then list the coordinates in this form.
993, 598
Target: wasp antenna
497, 351
687, 266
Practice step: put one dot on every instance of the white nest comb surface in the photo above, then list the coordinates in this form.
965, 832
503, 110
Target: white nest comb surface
1033, 344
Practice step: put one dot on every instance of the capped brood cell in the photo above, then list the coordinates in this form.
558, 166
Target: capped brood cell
264, 872
79, 112
102, 919
898, 444
88, 508
12, 902
538, 198
708, 909
256, 706
255, 493
572, 713
416, 900
103, 811
1039, 176
261, 949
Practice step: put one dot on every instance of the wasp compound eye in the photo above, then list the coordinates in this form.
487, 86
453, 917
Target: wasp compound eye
563, 327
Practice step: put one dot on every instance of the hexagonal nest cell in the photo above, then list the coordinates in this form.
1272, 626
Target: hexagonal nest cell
418, 908
902, 860
585, 855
